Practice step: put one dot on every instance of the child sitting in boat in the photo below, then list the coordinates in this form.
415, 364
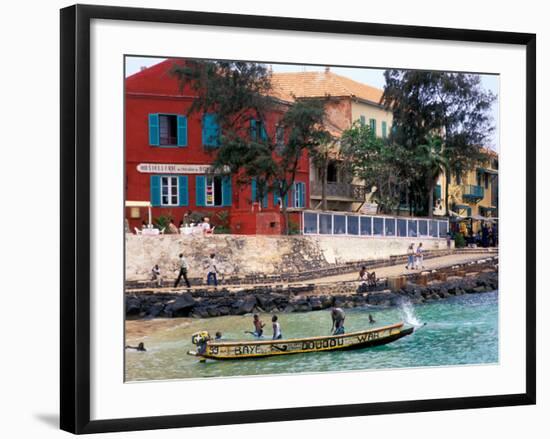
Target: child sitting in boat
258, 327
277, 335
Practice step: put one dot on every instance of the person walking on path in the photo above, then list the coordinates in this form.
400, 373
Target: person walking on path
183, 272
212, 276
419, 256
410, 257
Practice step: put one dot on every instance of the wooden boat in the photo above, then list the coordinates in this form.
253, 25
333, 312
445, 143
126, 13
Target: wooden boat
237, 350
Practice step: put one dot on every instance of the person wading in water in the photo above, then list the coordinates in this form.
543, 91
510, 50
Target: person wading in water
338, 316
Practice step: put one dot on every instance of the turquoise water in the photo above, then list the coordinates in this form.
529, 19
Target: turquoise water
461, 330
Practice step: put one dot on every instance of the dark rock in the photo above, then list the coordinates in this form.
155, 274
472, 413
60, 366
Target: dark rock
155, 309
381, 298
288, 308
213, 311
182, 306
224, 310
316, 304
133, 306
248, 305
303, 307
327, 301
200, 312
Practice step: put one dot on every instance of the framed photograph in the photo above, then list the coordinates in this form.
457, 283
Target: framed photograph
274, 218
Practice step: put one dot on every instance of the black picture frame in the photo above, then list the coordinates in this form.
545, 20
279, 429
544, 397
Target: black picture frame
75, 217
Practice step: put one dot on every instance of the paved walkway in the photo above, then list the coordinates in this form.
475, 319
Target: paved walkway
381, 272
398, 270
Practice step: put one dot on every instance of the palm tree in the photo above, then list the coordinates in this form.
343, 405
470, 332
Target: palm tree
433, 162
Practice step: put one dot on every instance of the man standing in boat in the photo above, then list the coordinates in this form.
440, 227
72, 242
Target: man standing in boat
338, 316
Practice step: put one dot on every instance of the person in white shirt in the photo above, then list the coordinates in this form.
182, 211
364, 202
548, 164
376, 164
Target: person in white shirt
183, 271
419, 256
155, 275
212, 276
277, 335
205, 225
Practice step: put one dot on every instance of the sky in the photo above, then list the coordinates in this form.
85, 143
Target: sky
370, 76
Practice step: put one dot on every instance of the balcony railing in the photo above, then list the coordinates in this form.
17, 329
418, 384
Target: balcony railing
344, 191
473, 192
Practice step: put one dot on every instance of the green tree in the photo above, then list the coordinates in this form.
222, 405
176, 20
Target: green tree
239, 93
377, 163
451, 106
432, 162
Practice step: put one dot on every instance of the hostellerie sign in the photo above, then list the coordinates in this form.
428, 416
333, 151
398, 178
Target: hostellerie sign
166, 168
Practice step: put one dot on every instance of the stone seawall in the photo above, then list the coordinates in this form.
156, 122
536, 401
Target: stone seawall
240, 256
416, 288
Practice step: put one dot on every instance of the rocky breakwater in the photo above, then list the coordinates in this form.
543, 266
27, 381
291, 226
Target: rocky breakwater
416, 288
436, 290
222, 302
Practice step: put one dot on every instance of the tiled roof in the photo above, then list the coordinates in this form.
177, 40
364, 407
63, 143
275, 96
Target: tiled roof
320, 84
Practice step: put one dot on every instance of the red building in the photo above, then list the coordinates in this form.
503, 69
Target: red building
168, 155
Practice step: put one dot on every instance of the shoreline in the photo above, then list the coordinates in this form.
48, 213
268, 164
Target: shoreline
418, 287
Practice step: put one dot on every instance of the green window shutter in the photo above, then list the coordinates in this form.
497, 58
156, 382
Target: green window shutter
154, 130
362, 120
182, 130
384, 129
253, 130
263, 132
372, 124
155, 190
183, 190
226, 191
200, 190
253, 189
210, 130
437, 192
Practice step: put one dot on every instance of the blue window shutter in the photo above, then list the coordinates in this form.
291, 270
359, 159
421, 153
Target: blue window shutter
182, 130
154, 131
226, 191
183, 190
200, 189
263, 133
265, 200
210, 130
155, 190
253, 132
253, 188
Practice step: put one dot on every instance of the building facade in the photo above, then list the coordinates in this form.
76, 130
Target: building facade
347, 101
168, 155
474, 193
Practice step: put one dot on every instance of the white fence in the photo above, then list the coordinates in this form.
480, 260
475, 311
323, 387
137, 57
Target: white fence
340, 223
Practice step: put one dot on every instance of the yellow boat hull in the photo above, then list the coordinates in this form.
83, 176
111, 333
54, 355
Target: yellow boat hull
270, 348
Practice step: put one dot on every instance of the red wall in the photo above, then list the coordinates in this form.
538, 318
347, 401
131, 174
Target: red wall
155, 91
